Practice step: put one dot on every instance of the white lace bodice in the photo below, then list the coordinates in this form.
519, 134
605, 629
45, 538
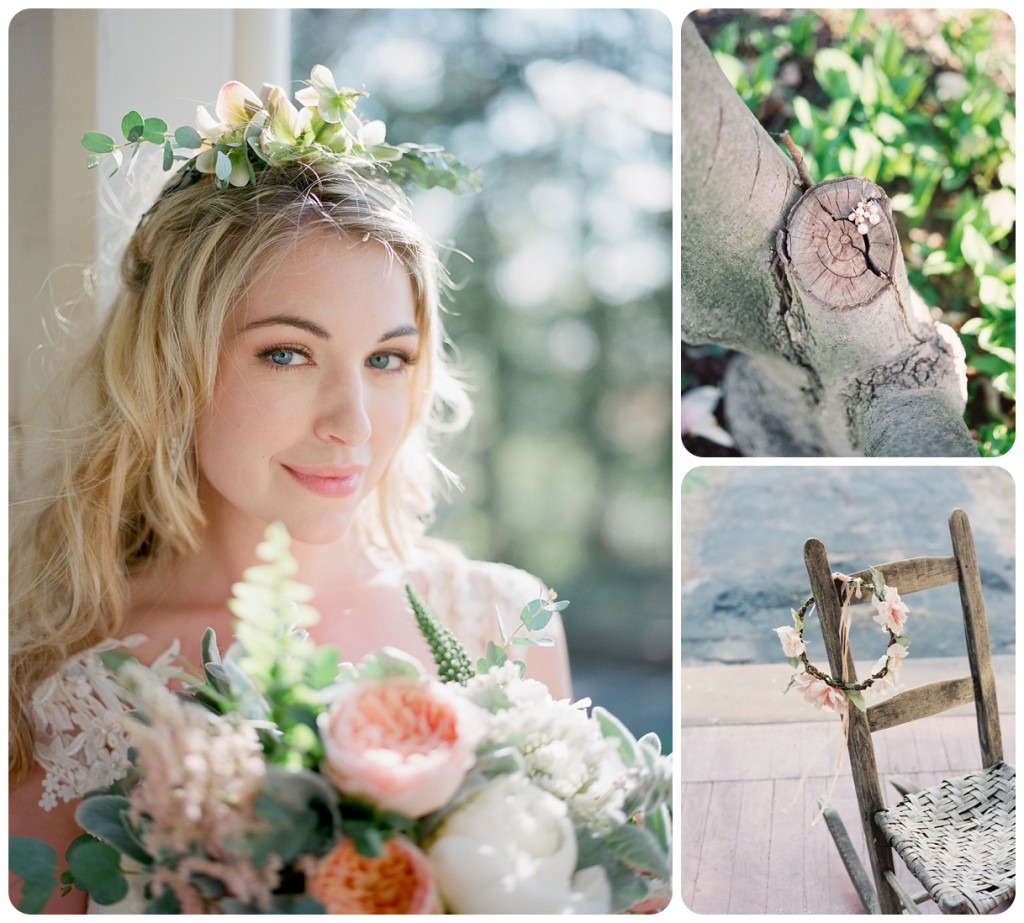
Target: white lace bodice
81, 740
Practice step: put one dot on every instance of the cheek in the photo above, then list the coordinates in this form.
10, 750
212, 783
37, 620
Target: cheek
234, 427
391, 427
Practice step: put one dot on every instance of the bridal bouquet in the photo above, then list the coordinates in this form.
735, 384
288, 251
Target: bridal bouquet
279, 782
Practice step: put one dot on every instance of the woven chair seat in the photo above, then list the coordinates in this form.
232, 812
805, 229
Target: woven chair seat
958, 839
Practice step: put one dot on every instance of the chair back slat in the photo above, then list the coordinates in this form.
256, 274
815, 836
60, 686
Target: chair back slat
921, 702
910, 576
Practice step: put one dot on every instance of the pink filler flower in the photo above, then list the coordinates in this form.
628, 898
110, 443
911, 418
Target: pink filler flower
792, 644
820, 694
892, 611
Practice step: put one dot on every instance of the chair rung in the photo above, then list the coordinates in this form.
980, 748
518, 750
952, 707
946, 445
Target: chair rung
905, 897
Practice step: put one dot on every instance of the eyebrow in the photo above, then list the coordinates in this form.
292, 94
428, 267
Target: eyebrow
291, 320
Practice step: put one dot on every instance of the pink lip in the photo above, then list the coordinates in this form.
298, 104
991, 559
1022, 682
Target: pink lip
328, 480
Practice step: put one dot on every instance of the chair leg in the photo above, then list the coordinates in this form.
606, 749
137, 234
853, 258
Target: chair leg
854, 867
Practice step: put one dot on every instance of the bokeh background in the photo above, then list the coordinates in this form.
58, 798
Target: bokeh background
742, 567
562, 310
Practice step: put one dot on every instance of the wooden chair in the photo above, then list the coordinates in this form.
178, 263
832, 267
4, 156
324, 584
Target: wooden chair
957, 837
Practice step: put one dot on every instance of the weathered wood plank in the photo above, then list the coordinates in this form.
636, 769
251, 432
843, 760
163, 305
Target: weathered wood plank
694, 799
788, 834
979, 650
921, 702
946, 745
717, 866
751, 888
909, 576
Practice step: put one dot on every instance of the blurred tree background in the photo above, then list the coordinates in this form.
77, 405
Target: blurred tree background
562, 312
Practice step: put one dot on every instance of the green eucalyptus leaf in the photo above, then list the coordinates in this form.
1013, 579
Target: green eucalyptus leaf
168, 161
535, 615
188, 137
154, 130
106, 818
97, 142
35, 863
97, 869
132, 126
495, 654
533, 642
222, 167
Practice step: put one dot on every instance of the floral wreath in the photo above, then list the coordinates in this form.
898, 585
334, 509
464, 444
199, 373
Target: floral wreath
249, 132
824, 691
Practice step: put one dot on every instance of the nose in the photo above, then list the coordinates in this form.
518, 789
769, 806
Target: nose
344, 417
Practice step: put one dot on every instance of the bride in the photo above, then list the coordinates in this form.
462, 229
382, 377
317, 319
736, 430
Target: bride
276, 353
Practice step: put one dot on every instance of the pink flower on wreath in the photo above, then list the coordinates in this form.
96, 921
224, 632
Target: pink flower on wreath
404, 743
892, 611
893, 657
820, 694
792, 644
396, 881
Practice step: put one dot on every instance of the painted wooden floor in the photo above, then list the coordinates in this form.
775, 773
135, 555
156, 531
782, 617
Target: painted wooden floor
749, 843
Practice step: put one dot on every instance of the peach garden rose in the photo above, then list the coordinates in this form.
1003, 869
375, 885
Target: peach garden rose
404, 743
396, 881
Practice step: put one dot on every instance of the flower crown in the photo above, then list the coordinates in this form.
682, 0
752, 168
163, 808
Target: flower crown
822, 690
249, 132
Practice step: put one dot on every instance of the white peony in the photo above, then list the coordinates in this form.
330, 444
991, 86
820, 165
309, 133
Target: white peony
511, 848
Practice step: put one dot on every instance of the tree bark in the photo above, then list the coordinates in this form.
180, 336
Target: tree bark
839, 355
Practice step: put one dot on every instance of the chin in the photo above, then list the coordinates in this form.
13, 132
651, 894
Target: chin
313, 531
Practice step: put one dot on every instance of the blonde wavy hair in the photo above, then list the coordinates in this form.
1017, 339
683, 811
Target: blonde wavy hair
126, 485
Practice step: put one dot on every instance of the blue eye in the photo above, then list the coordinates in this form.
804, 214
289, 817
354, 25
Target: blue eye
383, 361
285, 357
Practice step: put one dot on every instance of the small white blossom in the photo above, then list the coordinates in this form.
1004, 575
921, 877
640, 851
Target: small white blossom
562, 748
865, 216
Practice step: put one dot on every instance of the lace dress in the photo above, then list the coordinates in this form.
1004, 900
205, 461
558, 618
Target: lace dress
82, 743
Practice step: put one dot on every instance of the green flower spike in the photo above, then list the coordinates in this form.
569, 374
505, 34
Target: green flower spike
453, 663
